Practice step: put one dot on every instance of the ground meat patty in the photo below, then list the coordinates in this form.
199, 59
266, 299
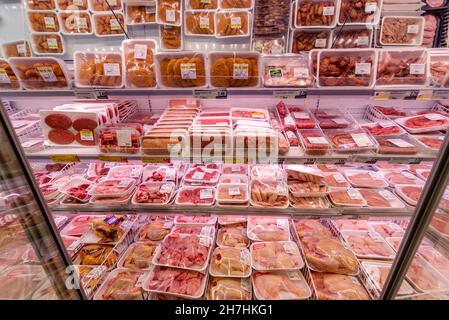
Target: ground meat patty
60, 136
84, 142
84, 124
58, 121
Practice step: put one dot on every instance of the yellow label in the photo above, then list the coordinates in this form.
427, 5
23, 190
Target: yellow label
381, 96
64, 158
425, 95
155, 159
104, 158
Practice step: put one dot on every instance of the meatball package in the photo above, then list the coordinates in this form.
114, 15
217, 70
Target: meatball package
16, 49
42, 21
98, 69
47, 44
346, 68
316, 13
101, 5
280, 285
201, 4
168, 12
233, 24
138, 58
40, 73
75, 23
402, 31
8, 78
230, 262
352, 37
181, 70
199, 23
109, 25
229, 289
142, 14
69, 5
69, 128
238, 69
360, 12
309, 39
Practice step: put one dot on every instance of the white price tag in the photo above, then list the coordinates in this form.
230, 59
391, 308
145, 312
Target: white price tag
4, 76
206, 194
413, 29
21, 49
52, 43
198, 175
293, 275
234, 191
165, 188
114, 24
282, 223
339, 178
30, 143
328, 11
241, 71
363, 68
81, 23
434, 117
170, 15
320, 43
370, 7
354, 194
235, 169
140, 52
417, 68
47, 74
135, 172
375, 236
408, 175
288, 120
289, 248
50, 23
206, 231
124, 138
86, 135
361, 139
150, 9
290, 134
204, 22
341, 121
123, 184
300, 72
236, 23
111, 69
401, 143
395, 227
386, 124
188, 71
362, 41
317, 140
375, 175
387, 195
301, 115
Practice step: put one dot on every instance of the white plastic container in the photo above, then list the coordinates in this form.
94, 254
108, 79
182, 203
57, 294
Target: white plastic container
170, 13
120, 172
35, 5
416, 28
236, 23
431, 149
388, 253
53, 40
113, 70
204, 22
206, 196
240, 190
320, 43
123, 184
375, 177
372, 269
295, 278
332, 11
129, 251
81, 25
233, 178
399, 190
393, 202
362, 41
75, 183
114, 23
352, 194
135, 54
372, 11
51, 21
20, 48
73, 5
150, 9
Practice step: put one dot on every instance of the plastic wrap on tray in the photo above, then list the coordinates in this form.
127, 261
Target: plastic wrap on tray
309, 202
139, 63
268, 229
343, 68
428, 122
195, 220
435, 258
232, 194
43, 21
98, 69
154, 193
181, 70
409, 193
235, 169
154, 231
109, 24
228, 289
320, 13
352, 37
181, 283
360, 12
378, 272
286, 71
125, 171
381, 199
424, 277
440, 223
232, 236
269, 194
304, 173
386, 166
202, 4
66, 5
330, 286
231, 220
119, 139
439, 68
235, 4
402, 30
76, 23
430, 143
400, 67
184, 251
101, 5
289, 285
202, 175
369, 245
159, 173
383, 128
386, 228
307, 189
199, 230
269, 46
400, 177
16, 49
314, 142
232, 24
233, 178
199, 23
8, 78
402, 145
351, 141
351, 224
278, 255
141, 14
138, 256
19, 282
237, 69
170, 37
169, 12
306, 40
113, 188
230, 262
347, 198
365, 179
40, 4
121, 284
98, 254
335, 180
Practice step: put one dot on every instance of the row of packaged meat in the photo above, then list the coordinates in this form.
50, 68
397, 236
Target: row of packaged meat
277, 265
140, 67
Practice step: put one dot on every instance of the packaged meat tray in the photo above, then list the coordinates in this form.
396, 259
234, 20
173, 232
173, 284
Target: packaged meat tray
182, 251
349, 37
264, 171
138, 256
97, 254
121, 284
409, 193
335, 180
114, 188
269, 194
40, 4
195, 220
302, 119
42, 21
139, 67
16, 49
400, 177
201, 4
68, 5
330, 286
79, 225
377, 275
40, 73
439, 67
141, 14
171, 38
402, 68
386, 229
353, 141
75, 23
118, 139
424, 123
423, 174
385, 166
206, 231
286, 70
109, 25
424, 278
181, 283
351, 224
77, 188
202, 175
154, 231
47, 44
233, 24
308, 229
177, 70
235, 4
268, 229
125, 171
306, 189
232, 194
233, 178
314, 142
359, 12
435, 259
430, 143
230, 262
276, 256
232, 236
304, 173
19, 282
383, 128
237, 169
309, 202
168, 12
8, 78
234, 69
159, 173
309, 39
365, 179
381, 199
153, 194
230, 220
368, 245
229, 289
280, 285
346, 68
402, 31
98, 69
347, 198
199, 23
312, 14
102, 6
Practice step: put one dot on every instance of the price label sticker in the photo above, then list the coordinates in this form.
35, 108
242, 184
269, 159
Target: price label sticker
81, 23
111, 69
170, 15
320, 43
135, 172
150, 9
114, 24
317, 140
290, 134
188, 71
78, 3
140, 52
341, 121
413, 29
417, 68
234, 191
375, 236
21, 49
47, 74
235, 168
198, 175
300, 73
361, 140
86, 135
168, 224
30, 143
204, 22
64, 158
288, 120
52, 43
206, 194
362, 41
328, 11
386, 124
50, 23
370, 7
387, 195
165, 188
236, 22
363, 68
240, 71
294, 275
354, 194
275, 73
4, 78
124, 138
434, 117
339, 178
395, 227
401, 143
289, 248
301, 115
282, 223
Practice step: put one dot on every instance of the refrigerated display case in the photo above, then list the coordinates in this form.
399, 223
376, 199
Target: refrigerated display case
230, 170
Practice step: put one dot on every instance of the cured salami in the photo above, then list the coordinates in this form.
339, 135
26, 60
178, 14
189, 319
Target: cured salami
60, 136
